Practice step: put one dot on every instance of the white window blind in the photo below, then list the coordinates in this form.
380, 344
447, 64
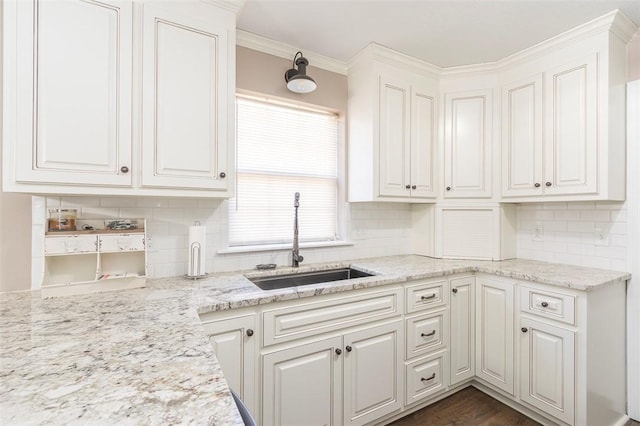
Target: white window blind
283, 149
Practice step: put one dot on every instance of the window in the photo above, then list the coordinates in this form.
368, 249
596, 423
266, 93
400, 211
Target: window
283, 149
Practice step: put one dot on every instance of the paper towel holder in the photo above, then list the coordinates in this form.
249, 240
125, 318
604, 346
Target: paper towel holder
195, 265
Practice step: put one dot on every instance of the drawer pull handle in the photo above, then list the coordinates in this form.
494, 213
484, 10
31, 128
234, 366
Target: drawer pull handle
433, 332
338, 351
349, 348
454, 290
431, 377
524, 329
429, 297
249, 332
544, 304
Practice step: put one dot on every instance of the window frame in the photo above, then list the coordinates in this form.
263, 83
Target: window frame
342, 211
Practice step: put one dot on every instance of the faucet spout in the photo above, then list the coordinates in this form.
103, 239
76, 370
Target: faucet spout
295, 252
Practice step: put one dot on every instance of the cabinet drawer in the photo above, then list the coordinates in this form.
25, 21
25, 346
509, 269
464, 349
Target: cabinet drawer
425, 377
427, 295
426, 333
548, 304
309, 319
122, 242
70, 244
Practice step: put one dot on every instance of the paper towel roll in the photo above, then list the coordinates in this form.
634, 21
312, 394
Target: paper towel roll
197, 250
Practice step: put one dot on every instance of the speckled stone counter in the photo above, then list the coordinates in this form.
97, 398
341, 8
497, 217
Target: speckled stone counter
141, 356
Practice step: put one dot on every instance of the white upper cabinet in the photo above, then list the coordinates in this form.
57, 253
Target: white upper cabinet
467, 144
563, 128
571, 128
184, 94
116, 97
522, 137
68, 92
392, 130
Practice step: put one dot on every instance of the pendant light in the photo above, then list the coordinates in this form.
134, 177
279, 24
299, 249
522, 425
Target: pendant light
297, 79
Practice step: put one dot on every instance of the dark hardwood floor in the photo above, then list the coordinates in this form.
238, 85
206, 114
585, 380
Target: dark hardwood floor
470, 407
467, 407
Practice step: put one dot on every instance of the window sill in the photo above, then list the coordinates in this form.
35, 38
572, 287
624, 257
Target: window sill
278, 247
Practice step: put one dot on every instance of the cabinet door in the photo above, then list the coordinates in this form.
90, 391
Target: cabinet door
394, 154
571, 127
423, 139
462, 329
68, 100
185, 57
302, 385
467, 147
522, 138
373, 376
234, 342
547, 368
494, 333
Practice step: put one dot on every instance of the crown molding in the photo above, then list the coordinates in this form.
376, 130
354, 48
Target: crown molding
287, 51
381, 53
230, 5
615, 22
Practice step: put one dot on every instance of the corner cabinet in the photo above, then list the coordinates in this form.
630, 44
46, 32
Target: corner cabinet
103, 98
467, 144
392, 131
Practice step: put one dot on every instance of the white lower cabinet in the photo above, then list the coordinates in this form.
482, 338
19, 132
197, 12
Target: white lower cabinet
494, 332
302, 384
352, 379
462, 331
235, 343
547, 359
369, 356
426, 377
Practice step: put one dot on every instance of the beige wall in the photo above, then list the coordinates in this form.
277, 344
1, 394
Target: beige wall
15, 229
633, 58
263, 73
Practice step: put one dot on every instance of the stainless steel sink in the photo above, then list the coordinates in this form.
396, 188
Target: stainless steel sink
306, 278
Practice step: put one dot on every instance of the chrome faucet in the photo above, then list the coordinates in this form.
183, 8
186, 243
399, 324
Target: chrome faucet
295, 253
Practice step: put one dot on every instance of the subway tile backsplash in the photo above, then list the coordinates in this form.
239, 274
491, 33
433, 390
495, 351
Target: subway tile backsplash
375, 229
585, 233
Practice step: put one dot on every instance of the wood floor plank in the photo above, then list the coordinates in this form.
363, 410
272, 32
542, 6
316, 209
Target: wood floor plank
469, 407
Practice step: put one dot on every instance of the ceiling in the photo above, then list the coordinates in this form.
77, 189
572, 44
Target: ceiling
444, 33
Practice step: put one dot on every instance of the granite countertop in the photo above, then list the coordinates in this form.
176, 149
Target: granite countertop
141, 356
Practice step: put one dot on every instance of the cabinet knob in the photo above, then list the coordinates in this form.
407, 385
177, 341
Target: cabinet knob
548, 184
448, 188
124, 169
431, 377
413, 187
249, 332
537, 185
544, 304
338, 351
407, 187
349, 348
454, 290
223, 175
433, 332
524, 329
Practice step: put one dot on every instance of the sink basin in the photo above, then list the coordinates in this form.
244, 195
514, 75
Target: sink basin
306, 278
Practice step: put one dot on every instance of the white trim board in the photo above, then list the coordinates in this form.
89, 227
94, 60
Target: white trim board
633, 290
